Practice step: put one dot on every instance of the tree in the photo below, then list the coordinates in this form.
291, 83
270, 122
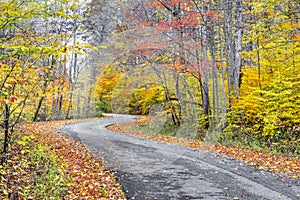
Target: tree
235, 51
30, 58
268, 97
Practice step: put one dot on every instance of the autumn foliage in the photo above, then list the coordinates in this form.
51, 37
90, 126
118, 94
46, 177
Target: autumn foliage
235, 62
57, 167
34, 83
227, 69
269, 102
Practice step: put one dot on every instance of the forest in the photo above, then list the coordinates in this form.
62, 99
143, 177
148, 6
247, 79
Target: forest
229, 69
223, 71
217, 71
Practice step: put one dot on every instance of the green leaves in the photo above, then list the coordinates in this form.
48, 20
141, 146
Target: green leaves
4, 92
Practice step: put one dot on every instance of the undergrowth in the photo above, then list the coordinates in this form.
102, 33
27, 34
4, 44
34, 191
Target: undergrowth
281, 143
166, 130
31, 171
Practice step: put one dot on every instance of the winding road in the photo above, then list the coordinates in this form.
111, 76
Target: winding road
154, 170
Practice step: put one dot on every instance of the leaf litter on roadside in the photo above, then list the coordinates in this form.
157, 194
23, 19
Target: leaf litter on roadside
278, 164
89, 177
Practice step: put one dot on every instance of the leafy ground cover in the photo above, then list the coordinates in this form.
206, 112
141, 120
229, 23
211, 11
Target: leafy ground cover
45, 164
280, 164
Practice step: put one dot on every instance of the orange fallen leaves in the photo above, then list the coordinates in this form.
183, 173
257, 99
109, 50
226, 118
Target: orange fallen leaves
90, 179
278, 164
275, 163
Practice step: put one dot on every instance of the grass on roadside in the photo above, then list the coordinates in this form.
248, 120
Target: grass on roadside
45, 164
31, 171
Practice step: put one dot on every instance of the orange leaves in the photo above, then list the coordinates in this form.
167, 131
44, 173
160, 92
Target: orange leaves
188, 21
146, 23
274, 163
90, 180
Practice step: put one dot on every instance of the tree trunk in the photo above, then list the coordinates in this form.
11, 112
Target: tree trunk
238, 46
45, 85
174, 116
228, 46
205, 97
36, 114
6, 133
223, 105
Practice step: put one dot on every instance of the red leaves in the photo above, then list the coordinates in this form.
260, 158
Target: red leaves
186, 22
12, 99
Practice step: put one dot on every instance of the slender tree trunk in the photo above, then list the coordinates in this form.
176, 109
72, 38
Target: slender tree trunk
229, 45
78, 106
238, 46
36, 114
258, 66
45, 85
72, 86
178, 95
6, 133
205, 99
174, 116
72, 76
199, 75
68, 115
40, 103
224, 98
215, 80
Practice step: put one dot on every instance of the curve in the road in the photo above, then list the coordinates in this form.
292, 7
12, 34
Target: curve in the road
154, 170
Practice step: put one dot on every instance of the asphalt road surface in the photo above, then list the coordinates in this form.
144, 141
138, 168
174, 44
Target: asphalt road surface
154, 170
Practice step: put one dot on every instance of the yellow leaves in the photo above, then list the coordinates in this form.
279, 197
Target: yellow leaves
296, 37
31, 48
73, 6
270, 87
107, 82
145, 97
89, 46
5, 192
